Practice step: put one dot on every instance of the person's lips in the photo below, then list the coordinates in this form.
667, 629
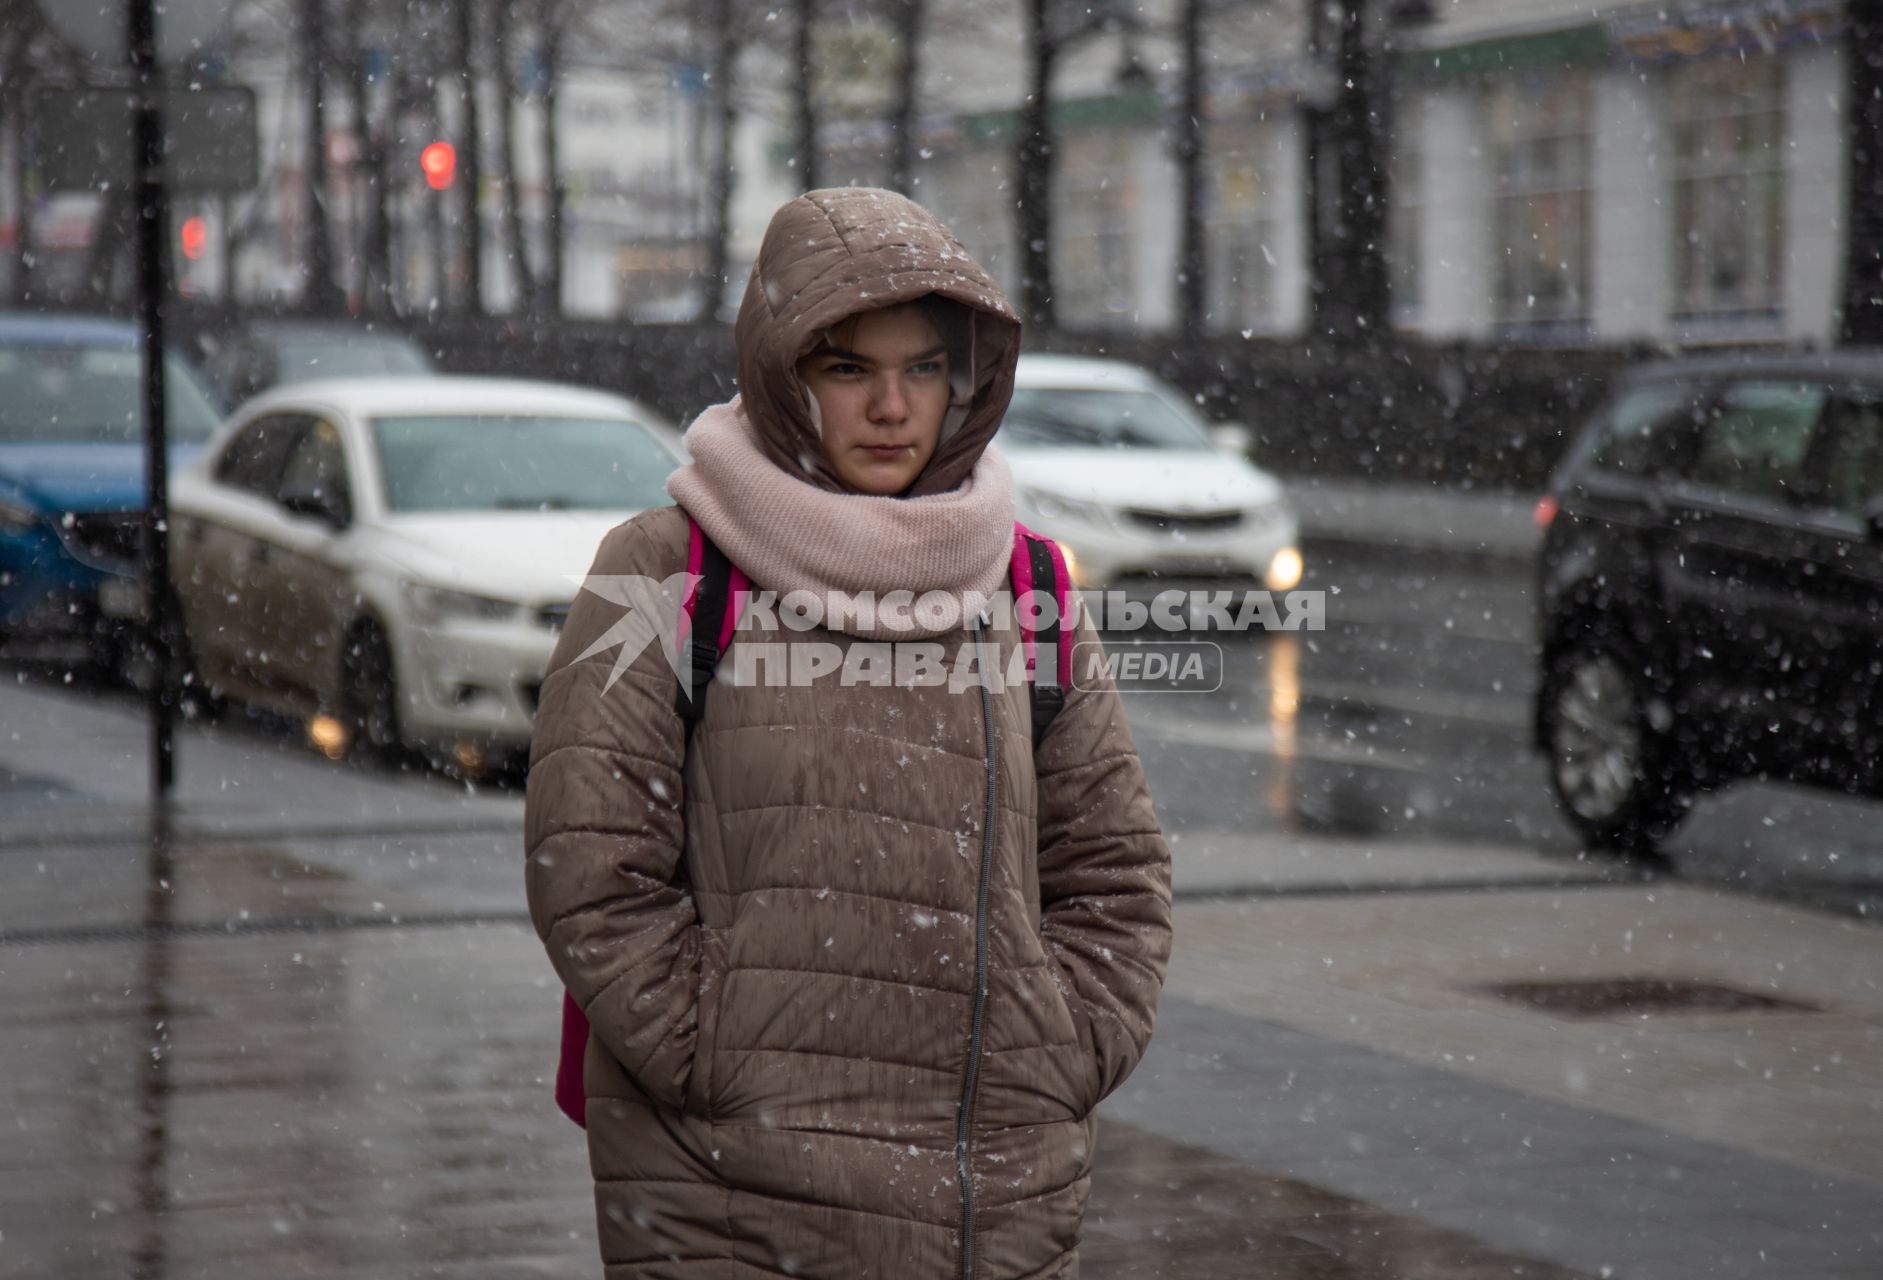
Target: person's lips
885, 451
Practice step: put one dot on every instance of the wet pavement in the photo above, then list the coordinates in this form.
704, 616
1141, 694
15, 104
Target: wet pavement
370, 1102
356, 1085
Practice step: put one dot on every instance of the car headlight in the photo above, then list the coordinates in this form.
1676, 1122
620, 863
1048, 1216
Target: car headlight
1284, 570
1053, 506
434, 605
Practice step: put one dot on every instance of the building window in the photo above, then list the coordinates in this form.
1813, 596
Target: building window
1539, 134
1240, 226
1728, 120
1092, 275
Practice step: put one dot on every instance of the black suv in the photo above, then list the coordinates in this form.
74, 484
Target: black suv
1711, 590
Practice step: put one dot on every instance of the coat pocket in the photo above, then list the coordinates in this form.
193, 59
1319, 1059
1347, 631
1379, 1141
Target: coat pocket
1081, 1065
699, 1094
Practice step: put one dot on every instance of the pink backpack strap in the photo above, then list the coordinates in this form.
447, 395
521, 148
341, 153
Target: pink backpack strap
1039, 565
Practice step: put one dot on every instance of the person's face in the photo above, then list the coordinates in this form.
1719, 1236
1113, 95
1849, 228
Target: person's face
882, 389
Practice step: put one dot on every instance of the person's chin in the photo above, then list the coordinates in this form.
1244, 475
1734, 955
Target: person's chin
882, 483
883, 478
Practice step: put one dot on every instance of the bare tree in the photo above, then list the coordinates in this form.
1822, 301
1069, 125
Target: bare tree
22, 52
1033, 163
470, 179
321, 293
1350, 287
516, 246
803, 93
1050, 29
1863, 248
369, 167
727, 43
909, 15
1192, 250
555, 23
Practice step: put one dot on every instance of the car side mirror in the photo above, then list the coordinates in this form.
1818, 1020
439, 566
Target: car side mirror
1232, 437
316, 501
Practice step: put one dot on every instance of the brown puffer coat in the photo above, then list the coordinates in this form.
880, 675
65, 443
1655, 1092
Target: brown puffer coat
859, 962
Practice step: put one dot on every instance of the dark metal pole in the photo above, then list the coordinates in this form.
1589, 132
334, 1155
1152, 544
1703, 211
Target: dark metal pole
153, 218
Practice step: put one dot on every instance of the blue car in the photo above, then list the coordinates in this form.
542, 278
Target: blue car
72, 479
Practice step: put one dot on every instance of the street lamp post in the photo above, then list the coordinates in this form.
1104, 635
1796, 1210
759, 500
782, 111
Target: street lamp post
153, 217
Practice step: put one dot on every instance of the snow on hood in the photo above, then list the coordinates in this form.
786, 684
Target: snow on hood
1147, 479
538, 557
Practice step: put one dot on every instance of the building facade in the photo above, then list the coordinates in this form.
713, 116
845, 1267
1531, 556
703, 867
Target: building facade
1557, 176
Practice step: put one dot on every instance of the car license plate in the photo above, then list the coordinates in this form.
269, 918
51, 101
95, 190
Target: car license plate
121, 598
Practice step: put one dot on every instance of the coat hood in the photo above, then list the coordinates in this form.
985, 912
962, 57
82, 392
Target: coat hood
832, 253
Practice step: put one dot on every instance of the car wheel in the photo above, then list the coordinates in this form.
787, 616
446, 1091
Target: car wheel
1612, 757
372, 696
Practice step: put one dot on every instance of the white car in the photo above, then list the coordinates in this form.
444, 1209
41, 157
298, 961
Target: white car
390, 559
1115, 466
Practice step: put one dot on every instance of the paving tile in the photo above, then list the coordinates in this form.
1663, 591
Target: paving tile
1641, 1195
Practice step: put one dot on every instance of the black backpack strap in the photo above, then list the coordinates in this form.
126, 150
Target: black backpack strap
1048, 696
710, 603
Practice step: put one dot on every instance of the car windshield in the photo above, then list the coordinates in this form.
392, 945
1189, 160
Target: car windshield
93, 395
505, 462
1051, 417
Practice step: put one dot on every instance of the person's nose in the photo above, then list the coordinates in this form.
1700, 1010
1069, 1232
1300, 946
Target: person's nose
888, 405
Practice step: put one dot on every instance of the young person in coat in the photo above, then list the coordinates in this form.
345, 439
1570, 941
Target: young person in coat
859, 960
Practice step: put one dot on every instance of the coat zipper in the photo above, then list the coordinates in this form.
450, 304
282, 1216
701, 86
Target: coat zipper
964, 1125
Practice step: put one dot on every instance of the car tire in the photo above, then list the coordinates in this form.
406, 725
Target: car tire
1613, 759
371, 711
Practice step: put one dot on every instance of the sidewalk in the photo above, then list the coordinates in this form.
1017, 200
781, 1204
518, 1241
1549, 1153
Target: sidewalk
321, 1047
1498, 527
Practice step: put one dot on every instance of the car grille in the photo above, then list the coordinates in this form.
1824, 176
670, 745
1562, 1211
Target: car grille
553, 616
116, 537
1185, 521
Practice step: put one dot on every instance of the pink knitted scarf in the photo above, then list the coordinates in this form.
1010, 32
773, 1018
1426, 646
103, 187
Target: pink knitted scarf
789, 535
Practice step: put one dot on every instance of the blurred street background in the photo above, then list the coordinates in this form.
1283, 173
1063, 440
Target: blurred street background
1393, 257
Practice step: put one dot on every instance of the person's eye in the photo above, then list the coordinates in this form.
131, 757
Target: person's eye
843, 368
929, 368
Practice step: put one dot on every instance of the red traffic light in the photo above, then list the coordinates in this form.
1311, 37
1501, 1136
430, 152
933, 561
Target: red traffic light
195, 235
440, 163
